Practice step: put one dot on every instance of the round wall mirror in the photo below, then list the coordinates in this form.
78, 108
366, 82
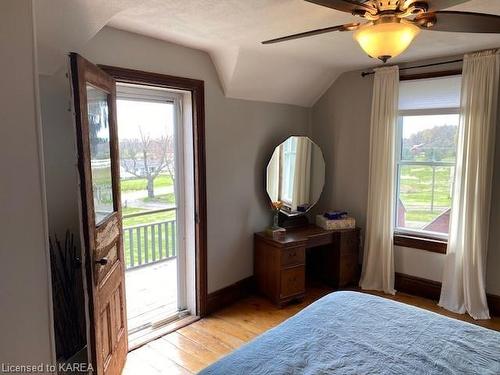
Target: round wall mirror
296, 175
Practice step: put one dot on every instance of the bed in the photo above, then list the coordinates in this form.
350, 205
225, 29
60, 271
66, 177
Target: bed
357, 333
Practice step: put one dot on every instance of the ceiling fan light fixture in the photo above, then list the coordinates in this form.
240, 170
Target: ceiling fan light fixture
386, 40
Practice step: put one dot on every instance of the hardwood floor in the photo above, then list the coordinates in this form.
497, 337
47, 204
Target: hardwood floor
190, 349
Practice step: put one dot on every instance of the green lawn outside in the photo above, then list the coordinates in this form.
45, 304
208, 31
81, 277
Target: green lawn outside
101, 176
416, 192
103, 192
162, 198
421, 216
145, 219
131, 210
135, 184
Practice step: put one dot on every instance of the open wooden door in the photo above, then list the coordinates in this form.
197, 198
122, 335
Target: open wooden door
99, 167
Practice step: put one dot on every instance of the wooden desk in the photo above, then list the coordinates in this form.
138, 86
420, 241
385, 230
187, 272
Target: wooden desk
280, 266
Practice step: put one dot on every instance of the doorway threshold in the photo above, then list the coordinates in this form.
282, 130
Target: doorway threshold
153, 332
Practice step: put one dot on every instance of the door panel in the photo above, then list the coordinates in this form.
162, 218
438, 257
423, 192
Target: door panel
98, 163
107, 244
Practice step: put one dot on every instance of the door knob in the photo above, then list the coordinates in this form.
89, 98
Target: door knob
102, 261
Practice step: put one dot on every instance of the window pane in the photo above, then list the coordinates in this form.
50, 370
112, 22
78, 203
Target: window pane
429, 138
100, 155
147, 153
425, 194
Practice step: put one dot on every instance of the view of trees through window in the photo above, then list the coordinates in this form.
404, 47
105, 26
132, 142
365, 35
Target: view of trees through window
426, 169
148, 175
147, 179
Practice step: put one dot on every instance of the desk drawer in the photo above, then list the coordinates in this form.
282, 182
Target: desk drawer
293, 281
319, 240
293, 256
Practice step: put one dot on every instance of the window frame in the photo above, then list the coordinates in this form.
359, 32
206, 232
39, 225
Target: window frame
429, 241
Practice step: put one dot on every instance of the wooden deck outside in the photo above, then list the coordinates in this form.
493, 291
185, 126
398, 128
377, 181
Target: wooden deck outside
151, 293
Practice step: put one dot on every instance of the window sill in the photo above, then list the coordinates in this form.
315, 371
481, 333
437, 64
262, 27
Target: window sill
422, 243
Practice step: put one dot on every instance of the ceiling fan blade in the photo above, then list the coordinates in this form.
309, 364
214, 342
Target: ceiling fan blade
435, 5
349, 6
347, 27
460, 22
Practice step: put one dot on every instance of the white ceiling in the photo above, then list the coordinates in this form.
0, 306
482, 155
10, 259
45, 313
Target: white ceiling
294, 72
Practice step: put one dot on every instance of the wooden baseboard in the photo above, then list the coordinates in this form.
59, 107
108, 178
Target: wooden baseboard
417, 286
431, 289
493, 304
230, 294
413, 285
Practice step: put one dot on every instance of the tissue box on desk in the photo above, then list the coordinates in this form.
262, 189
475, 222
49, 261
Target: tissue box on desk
277, 234
346, 223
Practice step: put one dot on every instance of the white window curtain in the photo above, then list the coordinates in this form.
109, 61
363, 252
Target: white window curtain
302, 175
463, 287
378, 260
273, 176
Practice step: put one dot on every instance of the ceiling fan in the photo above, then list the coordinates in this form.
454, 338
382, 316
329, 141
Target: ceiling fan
393, 24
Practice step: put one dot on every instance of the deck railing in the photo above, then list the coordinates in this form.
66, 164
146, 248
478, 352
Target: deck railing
149, 243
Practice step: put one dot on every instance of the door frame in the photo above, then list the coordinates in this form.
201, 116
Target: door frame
197, 91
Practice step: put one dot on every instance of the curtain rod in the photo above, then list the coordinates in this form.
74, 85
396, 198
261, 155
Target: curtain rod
364, 74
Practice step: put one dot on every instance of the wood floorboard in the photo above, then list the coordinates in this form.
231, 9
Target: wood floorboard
224, 337
163, 347
197, 350
192, 348
221, 325
211, 342
161, 364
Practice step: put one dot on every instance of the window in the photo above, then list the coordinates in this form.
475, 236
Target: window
100, 153
289, 150
426, 152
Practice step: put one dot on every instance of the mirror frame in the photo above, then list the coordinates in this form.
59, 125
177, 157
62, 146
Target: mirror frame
283, 212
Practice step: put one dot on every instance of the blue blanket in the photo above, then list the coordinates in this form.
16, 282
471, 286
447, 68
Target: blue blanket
357, 333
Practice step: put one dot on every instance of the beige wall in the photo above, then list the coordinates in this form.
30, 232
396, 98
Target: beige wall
240, 137
60, 154
341, 126
26, 335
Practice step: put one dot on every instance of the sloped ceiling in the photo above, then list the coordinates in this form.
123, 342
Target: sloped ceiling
294, 72
63, 26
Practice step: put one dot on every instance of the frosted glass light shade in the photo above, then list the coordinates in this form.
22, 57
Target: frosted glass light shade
386, 40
